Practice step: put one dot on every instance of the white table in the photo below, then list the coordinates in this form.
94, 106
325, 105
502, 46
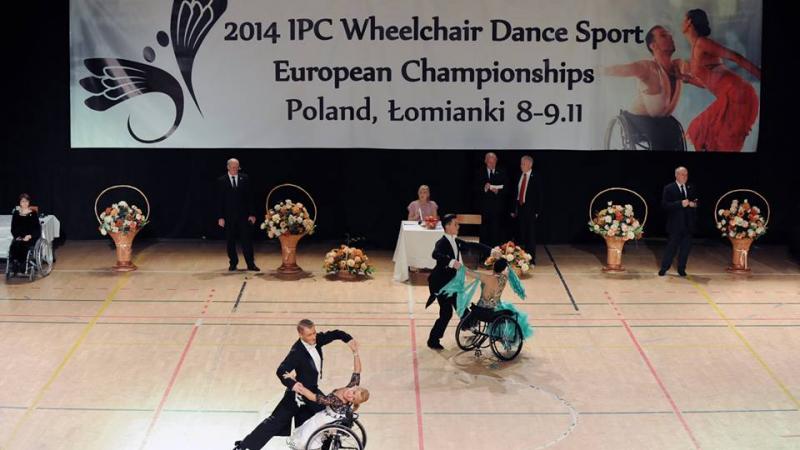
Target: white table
414, 248
51, 229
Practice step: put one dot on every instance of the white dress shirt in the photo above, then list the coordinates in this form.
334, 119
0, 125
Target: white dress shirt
452, 240
682, 190
519, 185
231, 178
312, 350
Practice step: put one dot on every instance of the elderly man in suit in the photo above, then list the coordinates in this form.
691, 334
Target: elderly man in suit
237, 214
679, 201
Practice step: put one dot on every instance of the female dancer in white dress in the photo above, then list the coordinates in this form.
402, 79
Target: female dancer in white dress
336, 403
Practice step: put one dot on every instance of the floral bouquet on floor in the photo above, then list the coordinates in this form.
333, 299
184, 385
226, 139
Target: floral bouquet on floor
349, 260
121, 218
516, 256
617, 221
288, 217
741, 221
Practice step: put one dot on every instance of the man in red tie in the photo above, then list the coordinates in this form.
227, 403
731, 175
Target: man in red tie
527, 206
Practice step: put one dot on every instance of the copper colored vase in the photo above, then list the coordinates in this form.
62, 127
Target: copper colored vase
289, 254
741, 247
124, 245
614, 245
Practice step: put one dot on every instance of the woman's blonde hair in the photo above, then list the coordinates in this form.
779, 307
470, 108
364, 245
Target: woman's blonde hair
423, 187
360, 395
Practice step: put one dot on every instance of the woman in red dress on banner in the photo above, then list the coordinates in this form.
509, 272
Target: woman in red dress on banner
725, 124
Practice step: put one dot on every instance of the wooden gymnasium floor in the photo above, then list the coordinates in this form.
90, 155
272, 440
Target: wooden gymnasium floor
181, 354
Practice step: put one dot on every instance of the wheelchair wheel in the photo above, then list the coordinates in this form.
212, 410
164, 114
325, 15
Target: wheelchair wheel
469, 337
505, 337
361, 433
619, 136
334, 437
43, 254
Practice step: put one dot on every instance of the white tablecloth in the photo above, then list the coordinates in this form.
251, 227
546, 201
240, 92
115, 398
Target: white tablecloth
51, 229
414, 248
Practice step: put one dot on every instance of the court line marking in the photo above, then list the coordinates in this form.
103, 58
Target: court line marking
731, 326
175, 373
122, 281
653, 372
415, 365
561, 276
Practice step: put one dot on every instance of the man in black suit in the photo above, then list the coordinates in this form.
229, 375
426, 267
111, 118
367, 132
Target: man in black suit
305, 362
490, 188
680, 203
447, 253
528, 199
237, 214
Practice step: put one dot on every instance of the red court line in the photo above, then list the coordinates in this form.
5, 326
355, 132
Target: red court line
174, 377
652, 368
420, 434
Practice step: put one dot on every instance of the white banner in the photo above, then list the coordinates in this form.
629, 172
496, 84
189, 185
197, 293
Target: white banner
436, 74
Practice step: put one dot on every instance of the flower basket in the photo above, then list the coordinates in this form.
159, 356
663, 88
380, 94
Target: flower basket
347, 263
122, 222
617, 224
742, 223
289, 221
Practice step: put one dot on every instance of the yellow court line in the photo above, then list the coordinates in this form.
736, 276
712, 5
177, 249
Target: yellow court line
81, 338
746, 343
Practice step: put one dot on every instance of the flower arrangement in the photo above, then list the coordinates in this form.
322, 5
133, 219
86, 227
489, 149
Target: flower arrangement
741, 220
616, 221
430, 222
287, 217
347, 259
121, 218
514, 254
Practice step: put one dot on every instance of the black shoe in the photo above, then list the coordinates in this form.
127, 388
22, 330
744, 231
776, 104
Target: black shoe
435, 345
232, 268
238, 445
662, 272
682, 273
254, 268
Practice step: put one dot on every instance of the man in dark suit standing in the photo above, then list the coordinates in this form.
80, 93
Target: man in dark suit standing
528, 201
237, 214
447, 253
680, 203
305, 363
490, 188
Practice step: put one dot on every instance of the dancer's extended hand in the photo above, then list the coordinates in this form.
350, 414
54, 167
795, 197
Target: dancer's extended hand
353, 344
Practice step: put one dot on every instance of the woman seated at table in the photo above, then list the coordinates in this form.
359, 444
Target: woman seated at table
423, 207
25, 229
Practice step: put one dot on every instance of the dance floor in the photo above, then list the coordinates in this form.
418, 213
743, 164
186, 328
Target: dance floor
182, 354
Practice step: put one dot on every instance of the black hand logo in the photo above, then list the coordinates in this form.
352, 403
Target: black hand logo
115, 80
190, 24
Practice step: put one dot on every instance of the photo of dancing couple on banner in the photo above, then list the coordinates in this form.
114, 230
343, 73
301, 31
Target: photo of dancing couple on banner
656, 121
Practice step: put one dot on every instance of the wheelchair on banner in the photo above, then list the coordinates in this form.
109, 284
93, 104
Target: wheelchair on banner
346, 433
629, 131
480, 328
38, 261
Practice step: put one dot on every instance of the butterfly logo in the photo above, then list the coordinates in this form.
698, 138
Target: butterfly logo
114, 80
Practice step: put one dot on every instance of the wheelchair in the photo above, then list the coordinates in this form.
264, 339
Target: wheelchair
38, 261
629, 131
346, 433
480, 328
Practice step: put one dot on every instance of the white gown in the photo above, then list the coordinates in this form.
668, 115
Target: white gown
299, 439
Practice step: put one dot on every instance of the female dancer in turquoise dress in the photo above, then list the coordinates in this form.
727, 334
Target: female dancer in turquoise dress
492, 286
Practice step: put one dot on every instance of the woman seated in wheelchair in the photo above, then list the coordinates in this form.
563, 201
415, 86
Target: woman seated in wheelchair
336, 405
25, 229
490, 303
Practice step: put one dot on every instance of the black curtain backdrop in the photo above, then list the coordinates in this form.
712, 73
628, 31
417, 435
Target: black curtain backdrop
358, 191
